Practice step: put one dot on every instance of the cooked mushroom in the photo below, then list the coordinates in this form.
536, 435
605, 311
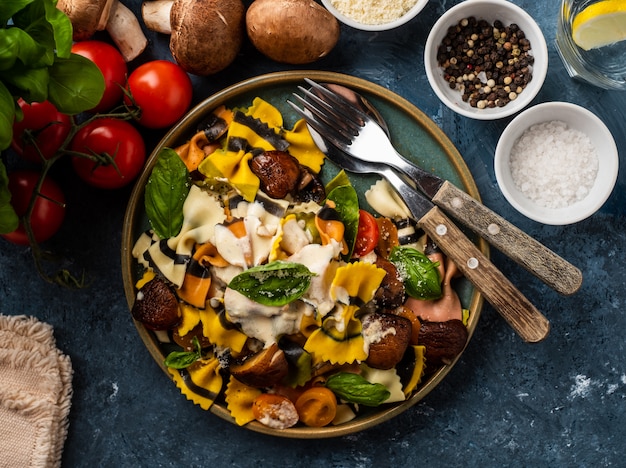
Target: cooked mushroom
156, 306
278, 171
89, 16
206, 35
263, 369
389, 336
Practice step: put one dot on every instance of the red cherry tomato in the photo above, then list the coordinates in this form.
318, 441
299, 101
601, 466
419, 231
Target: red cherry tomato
46, 124
48, 211
113, 67
117, 138
163, 92
367, 234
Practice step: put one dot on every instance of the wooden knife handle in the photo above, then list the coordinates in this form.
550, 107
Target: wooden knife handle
542, 262
516, 309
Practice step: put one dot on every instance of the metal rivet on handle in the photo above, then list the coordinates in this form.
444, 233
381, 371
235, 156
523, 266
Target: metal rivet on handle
456, 202
472, 263
493, 229
441, 229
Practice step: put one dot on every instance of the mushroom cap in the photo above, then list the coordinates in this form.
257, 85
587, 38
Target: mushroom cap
206, 34
87, 16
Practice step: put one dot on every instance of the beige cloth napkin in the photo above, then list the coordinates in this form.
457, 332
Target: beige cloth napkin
35, 394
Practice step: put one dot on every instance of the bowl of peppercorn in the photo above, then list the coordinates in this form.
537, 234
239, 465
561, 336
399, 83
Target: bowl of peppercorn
486, 59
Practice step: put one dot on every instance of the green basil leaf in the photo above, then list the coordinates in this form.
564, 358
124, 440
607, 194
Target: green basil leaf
347, 205
419, 273
7, 115
9, 9
16, 44
8, 218
355, 389
183, 359
61, 27
166, 191
76, 84
274, 284
339, 180
29, 83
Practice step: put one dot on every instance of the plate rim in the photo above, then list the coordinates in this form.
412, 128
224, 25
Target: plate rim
279, 79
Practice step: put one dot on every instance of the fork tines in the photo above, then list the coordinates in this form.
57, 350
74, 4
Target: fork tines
329, 114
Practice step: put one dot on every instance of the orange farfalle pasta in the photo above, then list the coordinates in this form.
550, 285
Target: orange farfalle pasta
201, 382
197, 282
239, 400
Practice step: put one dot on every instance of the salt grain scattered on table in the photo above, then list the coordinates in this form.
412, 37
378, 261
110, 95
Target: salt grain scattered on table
554, 165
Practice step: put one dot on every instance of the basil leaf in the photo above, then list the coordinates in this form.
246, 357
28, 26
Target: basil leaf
274, 284
166, 191
183, 359
76, 84
347, 205
419, 273
8, 218
17, 44
355, 389
30, 83
7, 115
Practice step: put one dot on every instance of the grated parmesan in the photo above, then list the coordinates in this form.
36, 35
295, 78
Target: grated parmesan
554, 165
374, 11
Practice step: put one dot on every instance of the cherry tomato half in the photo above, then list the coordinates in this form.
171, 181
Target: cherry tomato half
117, 138
163, 92
113, 67
47, 126
367, 234
48, 211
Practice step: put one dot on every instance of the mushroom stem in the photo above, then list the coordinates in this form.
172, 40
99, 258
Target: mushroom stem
156, 15
125, 30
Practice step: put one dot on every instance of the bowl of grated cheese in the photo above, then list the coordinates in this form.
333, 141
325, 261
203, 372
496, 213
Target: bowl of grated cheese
374, 15
556, 163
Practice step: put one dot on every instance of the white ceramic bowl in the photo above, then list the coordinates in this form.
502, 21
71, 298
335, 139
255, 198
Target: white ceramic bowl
489, 10
409, 15
577, 118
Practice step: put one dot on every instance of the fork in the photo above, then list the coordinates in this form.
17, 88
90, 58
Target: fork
356, 133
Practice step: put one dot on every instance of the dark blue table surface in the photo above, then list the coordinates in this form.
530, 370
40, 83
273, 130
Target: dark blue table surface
561, 402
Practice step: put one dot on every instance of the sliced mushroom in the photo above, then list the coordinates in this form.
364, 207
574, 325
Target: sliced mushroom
389, 336
278, 171
262, 369
444, 341
206, 35
89, 16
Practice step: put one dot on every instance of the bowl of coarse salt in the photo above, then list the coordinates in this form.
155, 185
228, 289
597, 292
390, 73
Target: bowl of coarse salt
374, 15
556, 163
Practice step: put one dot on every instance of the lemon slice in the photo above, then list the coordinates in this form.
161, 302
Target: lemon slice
600, 24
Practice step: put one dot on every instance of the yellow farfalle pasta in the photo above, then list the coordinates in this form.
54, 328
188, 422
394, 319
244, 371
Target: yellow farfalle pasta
205, 374
239, 400
215, 329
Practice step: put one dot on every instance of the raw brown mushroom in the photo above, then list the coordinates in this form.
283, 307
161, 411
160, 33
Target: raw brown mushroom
263, 369
89, 16
206, 35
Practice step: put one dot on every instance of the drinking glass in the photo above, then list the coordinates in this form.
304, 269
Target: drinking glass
604, 67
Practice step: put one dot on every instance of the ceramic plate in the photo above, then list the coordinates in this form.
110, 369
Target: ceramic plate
413, 134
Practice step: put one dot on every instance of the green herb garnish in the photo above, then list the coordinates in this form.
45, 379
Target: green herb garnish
183, 359
166, 191
419, 273
274, 284
356, 389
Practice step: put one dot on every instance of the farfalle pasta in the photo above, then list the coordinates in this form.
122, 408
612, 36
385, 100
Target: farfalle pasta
272, 298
